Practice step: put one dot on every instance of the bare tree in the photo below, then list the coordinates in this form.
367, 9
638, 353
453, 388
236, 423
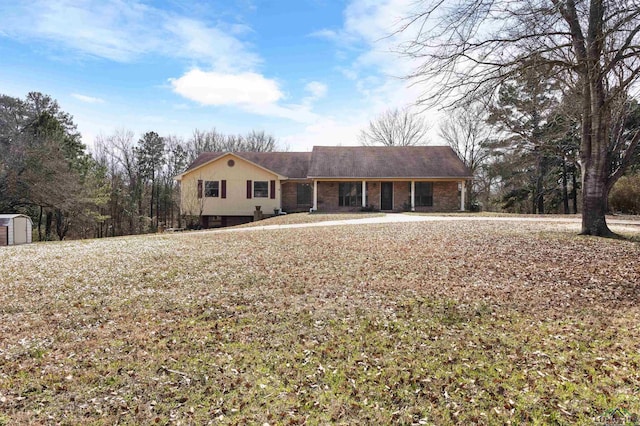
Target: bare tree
469, 48
205, 141
467, 133
396, 127
192, 202
259, 141
122, 147
213, 141
176, 161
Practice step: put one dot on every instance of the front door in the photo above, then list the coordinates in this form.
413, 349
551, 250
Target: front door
386, 196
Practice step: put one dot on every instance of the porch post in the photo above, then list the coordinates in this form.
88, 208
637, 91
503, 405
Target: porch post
364, 193
413, 195
462, 194
315, 195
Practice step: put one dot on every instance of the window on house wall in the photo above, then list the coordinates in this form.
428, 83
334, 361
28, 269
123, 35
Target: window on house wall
211, 188
350, 194
260, 189
424, 194
305, 192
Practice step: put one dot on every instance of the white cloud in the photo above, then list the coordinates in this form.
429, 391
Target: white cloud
123, 31
374, 22
249, 91
293, 112
326, 131
367, 42
316, 89
370, 41
111, 29
224, 66
214, 88
193, 39
326, 34
87, 99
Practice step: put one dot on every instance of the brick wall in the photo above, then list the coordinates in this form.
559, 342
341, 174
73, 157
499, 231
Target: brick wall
328, 198
401, 196
445, 197
373, 194
290, 197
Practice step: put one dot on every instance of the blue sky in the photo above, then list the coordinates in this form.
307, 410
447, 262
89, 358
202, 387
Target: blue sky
310, 72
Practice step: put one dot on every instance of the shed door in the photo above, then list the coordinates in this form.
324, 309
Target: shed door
4, 235
20, 230
386, 196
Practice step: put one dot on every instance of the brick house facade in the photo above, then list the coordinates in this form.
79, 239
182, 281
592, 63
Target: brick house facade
446, 197
223, 188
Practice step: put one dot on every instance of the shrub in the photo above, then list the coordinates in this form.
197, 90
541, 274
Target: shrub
369, 208
625, 195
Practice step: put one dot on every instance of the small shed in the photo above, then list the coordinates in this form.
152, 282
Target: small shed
15, 229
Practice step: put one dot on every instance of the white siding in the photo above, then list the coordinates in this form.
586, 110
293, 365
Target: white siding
236, 203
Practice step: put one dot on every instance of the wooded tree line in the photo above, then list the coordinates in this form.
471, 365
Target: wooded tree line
523, 147
469, 50
124, 186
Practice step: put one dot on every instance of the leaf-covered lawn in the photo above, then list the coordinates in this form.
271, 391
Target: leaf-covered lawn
296, 218
423, 323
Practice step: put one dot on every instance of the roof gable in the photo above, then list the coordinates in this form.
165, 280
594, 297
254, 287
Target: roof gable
292, 165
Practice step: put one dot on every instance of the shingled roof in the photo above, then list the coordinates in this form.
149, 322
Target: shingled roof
355, 162
386, 162
293, 165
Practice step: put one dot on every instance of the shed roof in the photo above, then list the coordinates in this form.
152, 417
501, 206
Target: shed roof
386, 162
13, 215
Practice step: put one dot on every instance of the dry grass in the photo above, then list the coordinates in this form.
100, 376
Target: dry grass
296, 218
424, 323
625, 217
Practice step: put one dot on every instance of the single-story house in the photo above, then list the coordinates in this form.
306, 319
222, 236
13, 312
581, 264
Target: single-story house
225, 188
15, 229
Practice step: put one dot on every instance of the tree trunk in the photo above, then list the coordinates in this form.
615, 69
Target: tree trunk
574, 187
594, 144
165, 214
40, 225
594, 205
170, 207
539, 204
565, 192
151, 208
47, 225
595, 171
158, 206
62, 224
